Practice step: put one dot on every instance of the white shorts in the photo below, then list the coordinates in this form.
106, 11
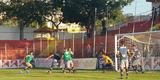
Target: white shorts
137, 62
69, 64
124, 63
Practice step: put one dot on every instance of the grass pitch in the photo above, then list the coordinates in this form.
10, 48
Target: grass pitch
41, 74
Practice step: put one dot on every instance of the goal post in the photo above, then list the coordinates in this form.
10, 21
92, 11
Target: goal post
148, 44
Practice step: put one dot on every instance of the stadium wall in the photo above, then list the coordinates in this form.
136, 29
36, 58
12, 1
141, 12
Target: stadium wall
153, 63
80, 63
10, 49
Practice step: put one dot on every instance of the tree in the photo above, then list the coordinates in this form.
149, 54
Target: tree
82, 11
26, 12
156, 27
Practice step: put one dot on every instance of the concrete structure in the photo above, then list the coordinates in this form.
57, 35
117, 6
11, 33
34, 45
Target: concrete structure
12, 33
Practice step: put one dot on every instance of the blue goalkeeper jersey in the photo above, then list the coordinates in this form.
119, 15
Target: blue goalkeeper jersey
123, 52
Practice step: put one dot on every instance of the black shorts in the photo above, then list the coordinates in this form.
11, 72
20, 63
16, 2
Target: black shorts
106, 65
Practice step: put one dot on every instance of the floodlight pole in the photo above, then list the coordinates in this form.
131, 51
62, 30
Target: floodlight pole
41, 41
33, 46
94, 32
64, 41
106, 31
82, 45
27, 49
153, 17
134, 24
5, 49
73, 41
1, 55
106, 40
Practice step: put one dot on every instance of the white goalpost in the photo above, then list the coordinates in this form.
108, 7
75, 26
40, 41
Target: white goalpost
148, 44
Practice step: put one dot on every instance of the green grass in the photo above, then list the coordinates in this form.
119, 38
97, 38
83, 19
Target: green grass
41, 74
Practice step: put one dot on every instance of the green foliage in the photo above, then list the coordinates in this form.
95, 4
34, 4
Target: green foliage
10, 22
156, 27
27, 11
82, 11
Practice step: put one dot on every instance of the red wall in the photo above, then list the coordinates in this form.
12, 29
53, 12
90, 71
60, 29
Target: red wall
18, 48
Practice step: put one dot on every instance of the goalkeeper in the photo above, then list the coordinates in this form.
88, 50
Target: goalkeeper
107, 62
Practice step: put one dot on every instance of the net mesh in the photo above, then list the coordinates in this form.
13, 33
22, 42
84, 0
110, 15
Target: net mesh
148, 45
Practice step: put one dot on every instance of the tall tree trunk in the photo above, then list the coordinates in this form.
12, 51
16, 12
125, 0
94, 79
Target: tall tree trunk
91, 23
103, 27
21, 30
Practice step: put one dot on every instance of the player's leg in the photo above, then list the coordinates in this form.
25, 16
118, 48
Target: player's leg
141, 65
29, 66
69, 65
135, 67
126, 68
51, 67
72, 66
138, 65
141, 69
25, 64
24, 68
121, 68
103, 67
64, 67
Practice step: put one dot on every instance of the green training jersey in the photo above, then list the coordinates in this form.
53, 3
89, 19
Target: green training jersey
28, 58
67, 56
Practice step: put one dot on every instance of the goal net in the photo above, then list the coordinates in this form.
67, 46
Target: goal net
148, 45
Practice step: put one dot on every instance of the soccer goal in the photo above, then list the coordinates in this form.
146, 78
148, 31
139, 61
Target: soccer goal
148, 44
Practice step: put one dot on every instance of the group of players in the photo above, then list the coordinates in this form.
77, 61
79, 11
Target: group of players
129, 58
123, 53
65, 60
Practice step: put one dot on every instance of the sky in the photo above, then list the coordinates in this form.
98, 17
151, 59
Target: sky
141, 8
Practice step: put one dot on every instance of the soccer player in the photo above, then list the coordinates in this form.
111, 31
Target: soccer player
107, 62
54, 57
28, 58
71, 61
137, 61
67, 58
123, 54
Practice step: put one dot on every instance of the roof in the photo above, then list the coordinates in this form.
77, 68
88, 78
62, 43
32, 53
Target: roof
44, 30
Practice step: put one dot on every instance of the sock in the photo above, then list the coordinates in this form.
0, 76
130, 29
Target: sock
51, 69
127, 73
121, 73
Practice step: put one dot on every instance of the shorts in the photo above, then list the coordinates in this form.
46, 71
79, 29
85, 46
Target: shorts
29, 65
106, 66
68, 64
124, 63
54, 63
137, 62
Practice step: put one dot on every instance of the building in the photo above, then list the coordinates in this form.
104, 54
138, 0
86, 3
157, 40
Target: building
155, 3
12, 33
65, 31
